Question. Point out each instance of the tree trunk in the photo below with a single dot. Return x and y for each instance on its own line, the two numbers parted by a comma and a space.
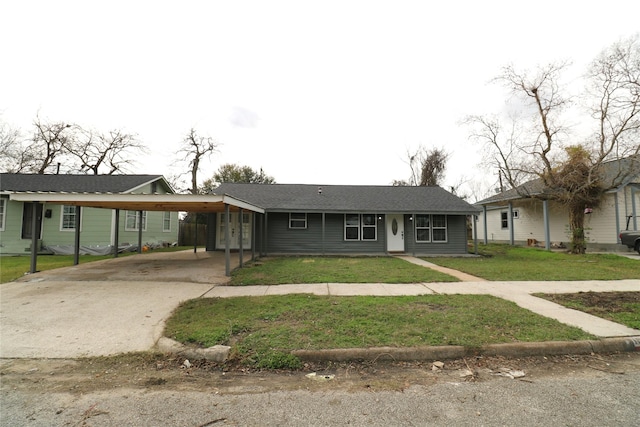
576, 229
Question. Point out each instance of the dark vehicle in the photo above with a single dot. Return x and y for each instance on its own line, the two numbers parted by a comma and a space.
630, 238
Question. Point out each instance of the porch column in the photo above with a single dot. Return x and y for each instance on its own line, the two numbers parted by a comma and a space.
484, 220
475, 233
510, 222
545, 215
195, 234
227, 249
116, 234
253, 236
139, 232
34, 238
266, 234
240, 248
323, 224
633, 208
76, 249
615, 203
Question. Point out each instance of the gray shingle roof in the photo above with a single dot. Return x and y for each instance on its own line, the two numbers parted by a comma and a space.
347, 198
10, 182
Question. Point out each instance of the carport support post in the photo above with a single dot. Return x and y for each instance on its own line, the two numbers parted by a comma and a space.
139, 232
240, 251
474, 218
253, 236
76, 249
227, 250
116, 242
545, 215
34, 238
195, 235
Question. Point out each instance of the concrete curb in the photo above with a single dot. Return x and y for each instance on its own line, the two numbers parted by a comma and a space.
219, 353
552, 348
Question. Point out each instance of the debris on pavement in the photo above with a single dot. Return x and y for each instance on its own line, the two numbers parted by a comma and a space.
323, 377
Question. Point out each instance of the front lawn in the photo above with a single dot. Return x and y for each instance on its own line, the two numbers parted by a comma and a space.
288, 270
504, 262
263, 330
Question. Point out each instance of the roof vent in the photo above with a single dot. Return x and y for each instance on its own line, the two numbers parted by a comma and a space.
319, 190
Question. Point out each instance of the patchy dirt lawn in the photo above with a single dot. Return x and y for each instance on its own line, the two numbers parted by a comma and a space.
614, 306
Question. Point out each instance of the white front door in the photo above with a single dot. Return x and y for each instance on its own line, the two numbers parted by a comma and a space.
395, 233
234, 231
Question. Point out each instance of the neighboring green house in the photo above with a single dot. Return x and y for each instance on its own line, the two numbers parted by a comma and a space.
56, 223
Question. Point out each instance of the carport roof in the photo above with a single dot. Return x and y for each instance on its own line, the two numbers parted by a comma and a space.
141, 202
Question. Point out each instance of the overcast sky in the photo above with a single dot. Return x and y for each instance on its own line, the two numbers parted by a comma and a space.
317, 92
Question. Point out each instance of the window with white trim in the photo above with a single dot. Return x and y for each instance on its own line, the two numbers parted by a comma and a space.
360, 227
297, 220
3, 209
132, 221
439, 228
504, 220
423, 228
430, 228
68, 218
166, 221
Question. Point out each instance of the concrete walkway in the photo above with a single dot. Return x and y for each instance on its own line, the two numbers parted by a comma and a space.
120, 305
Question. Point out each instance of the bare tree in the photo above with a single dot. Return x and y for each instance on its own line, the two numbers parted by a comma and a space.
113, 151
49, 143
194, 149
427, 167
568, 171
11, 149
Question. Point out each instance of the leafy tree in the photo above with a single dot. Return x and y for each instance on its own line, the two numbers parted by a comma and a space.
568, 168
235, 173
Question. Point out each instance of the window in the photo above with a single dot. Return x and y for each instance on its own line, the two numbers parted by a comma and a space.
423, 228
68, 218
360, 227
439, 228
430, 228
516, 214
166, 221
3, 209
132, 223
352, 227
297, 220
504, 219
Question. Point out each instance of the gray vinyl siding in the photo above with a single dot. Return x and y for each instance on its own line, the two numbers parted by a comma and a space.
456, 238
282, 239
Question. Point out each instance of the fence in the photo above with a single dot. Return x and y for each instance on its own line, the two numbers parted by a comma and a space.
188, 233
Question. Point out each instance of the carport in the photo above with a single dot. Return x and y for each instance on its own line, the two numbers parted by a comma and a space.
197, 203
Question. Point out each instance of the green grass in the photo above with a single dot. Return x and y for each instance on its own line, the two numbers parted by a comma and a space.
263, 330
504, 262
14, 267
285, 270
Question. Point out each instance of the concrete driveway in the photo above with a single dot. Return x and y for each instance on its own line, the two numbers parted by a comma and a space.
104, 307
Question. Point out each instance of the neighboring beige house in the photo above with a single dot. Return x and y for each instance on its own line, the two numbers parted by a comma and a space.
507, 217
